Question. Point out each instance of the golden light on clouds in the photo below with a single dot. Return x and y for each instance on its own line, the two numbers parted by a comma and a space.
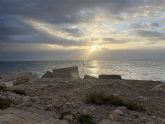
94, 48
98, 34
50, 29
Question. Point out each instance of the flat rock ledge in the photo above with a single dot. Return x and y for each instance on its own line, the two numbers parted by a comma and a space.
16, 116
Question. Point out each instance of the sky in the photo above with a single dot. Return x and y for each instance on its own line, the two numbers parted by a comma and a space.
81, 29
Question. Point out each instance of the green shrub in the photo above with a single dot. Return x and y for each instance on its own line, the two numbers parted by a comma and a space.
2, 88
5, 103
84, 118
100, 98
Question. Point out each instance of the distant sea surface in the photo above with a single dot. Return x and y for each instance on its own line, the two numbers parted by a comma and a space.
129, 69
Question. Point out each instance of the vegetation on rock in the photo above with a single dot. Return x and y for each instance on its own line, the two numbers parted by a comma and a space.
2, 88
100, 98
84, 118
20, 92
5, 103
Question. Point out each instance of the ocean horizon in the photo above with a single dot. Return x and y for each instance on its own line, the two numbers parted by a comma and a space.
139, 69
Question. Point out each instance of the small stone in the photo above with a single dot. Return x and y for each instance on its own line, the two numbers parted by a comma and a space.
117, 112
27, 101
49, 108
35, 99
142, 98
68, 117
107, 121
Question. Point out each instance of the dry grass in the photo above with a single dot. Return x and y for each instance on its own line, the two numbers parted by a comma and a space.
100, 98
2, 88
84, 118
5, 103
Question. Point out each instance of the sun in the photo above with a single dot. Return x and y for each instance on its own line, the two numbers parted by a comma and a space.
94, 47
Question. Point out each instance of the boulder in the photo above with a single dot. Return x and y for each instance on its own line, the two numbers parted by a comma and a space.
70, 72
89, 77
7, 84
115, 114
104, 76
48, 74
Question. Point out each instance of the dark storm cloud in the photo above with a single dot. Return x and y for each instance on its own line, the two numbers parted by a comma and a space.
62, 13
58, 11
151, 34
66, 11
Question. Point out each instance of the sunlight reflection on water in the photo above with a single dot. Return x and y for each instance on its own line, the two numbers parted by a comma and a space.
128, 69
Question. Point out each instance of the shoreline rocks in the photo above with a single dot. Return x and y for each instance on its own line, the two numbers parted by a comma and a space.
65, 73
70, 72
48, 74
63, 99
104, 76
89, 77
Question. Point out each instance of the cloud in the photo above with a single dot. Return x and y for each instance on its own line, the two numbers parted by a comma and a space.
151, 34
115, 41
79, 23
155, 24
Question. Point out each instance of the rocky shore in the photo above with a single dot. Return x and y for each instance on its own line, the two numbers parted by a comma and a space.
62, 97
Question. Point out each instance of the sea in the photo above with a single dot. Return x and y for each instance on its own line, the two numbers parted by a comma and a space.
128, 69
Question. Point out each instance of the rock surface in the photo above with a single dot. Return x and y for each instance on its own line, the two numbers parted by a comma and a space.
16, 116
6, 84
89, 77
103, 76
48, 74
58, 102
106, 121
70, 72
15, 75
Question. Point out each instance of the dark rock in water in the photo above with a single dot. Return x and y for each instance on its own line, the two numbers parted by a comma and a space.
109, 77
48, 74
70, 72
89, 77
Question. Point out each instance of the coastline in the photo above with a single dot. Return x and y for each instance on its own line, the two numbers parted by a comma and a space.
62, 101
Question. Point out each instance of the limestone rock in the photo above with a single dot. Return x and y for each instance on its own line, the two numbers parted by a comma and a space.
70, 73
27, 101
15, 75
48, 74
159, 87
89, 77
68, 117
103, 76
7, 84
21, 80
115, 114
15, 98
16, 116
